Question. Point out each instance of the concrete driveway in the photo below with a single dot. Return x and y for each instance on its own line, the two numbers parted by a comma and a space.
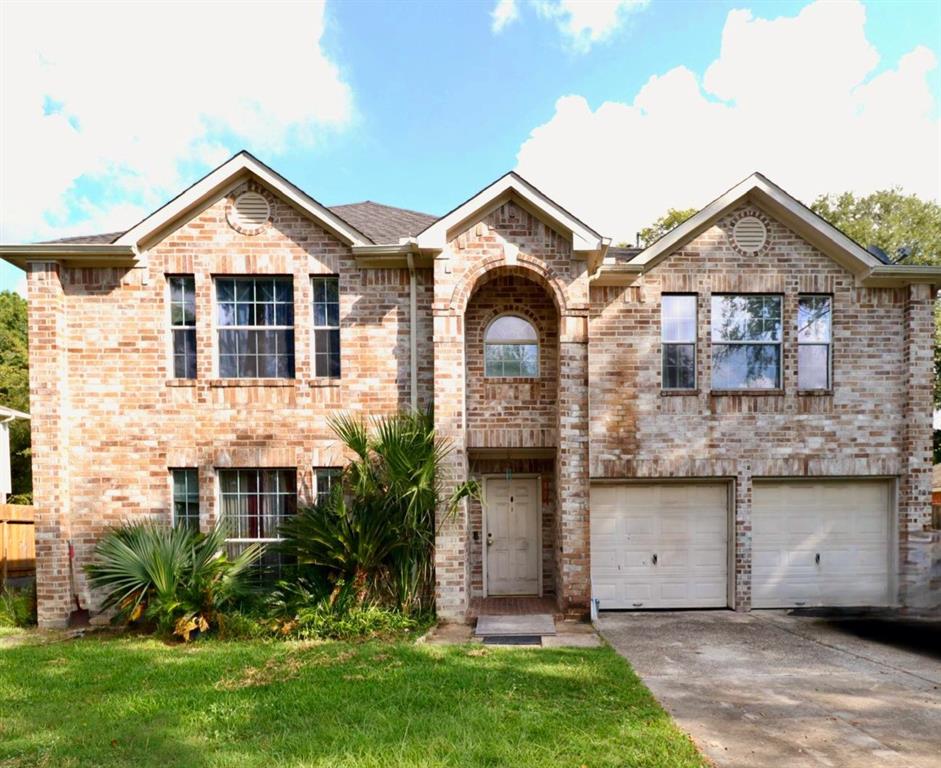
772, 689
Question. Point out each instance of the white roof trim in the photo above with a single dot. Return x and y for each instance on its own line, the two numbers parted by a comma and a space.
8, 414
584, 238
788, 208
216, 181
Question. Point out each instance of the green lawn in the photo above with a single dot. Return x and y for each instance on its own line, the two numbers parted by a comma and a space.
135, 701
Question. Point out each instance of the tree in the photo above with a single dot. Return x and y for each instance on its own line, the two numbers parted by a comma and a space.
905, 227
672, 218
14, 387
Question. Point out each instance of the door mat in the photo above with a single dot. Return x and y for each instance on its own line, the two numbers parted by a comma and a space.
513, 640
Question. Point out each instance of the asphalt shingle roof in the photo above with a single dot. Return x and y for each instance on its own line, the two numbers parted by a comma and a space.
380, 223
383, 223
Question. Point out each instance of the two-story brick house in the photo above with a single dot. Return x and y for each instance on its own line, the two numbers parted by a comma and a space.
738, 415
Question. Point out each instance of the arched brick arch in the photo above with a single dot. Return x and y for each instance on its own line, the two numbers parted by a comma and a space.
525, 267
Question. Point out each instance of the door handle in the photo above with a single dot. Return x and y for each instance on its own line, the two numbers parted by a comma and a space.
817, 558
654, 558
489, 539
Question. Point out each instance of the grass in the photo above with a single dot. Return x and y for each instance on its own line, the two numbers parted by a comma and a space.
136, 701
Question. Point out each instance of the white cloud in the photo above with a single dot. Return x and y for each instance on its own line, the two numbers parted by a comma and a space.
792, 97
114, 106
504, 12
586, 22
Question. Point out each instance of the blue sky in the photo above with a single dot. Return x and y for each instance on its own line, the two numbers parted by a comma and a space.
421, 104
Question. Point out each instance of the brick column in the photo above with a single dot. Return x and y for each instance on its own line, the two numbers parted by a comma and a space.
452, 564
572, 467
914, 492
49, 398
742, 560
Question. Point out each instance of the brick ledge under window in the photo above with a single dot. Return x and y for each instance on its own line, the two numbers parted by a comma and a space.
815, 393
678, 392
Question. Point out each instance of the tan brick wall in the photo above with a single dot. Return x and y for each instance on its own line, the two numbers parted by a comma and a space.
112, 421
512, 412
509, 242
109, 421
875, 421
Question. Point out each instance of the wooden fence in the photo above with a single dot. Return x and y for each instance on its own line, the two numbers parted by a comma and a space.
17, 542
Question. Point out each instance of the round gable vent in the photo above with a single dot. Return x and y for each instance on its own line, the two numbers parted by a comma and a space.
249, 213
750, 234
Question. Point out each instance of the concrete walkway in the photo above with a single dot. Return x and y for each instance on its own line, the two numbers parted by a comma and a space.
771, 689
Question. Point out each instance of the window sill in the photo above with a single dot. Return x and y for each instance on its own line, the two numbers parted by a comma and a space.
511, 379
324, 381
815, 393
251, 382
679, 392
182, 382
747, 392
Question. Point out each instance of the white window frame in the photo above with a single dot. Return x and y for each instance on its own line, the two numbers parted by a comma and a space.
779, 384
694, 343
513, 342
176, 520
828, 343
327, 327
182, 327
335, 472
221, 496
219, 328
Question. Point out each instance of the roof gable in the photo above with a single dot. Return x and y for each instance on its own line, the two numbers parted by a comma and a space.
217, 183
777, 203
511, 186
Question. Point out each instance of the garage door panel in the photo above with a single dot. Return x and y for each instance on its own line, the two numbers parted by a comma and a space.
685, 525
845, 522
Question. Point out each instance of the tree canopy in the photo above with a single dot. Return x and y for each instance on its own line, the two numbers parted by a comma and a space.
672, 218
14, 386
906, 227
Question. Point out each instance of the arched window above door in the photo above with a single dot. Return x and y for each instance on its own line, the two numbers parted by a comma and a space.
511, 348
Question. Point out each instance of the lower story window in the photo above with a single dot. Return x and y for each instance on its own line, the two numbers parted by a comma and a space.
254, 503
185, 498
325, 479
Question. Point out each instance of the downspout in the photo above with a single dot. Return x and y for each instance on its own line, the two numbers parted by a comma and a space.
412, 328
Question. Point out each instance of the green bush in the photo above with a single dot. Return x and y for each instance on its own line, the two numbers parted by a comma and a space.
18, 607
177, 579
375, 533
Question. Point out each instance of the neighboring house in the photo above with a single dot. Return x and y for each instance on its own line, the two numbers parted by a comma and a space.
7, 417
738, 415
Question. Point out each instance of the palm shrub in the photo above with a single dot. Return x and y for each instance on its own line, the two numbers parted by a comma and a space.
375, 534
176, 578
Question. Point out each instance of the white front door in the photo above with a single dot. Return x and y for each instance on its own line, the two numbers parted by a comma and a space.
659, 545
819, 542
512, 541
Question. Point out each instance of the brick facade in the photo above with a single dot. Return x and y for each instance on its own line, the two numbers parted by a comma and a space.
874, 422
109, 421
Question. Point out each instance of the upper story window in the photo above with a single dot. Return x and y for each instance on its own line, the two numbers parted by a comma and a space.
326, 326
511, 348
256, 327
185, 498
678, 337
814, 345
746, 342
183, 325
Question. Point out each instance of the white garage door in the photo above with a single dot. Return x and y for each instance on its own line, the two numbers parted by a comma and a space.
660, 545
820, 543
